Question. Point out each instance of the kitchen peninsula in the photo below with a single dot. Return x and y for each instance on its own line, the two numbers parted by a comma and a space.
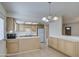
68, 45
22, 44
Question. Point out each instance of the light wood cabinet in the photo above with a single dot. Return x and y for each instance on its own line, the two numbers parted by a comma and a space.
61, 45
34, 28
77, 48
10, 24
12, 46
22, 44
70, 48
53, 42
21, 27
16, 27
28, 44
50, 42
25, 27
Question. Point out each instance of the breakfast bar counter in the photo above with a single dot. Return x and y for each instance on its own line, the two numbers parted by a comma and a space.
68, 45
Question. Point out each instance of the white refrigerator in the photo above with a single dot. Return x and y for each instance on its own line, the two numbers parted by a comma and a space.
41, 34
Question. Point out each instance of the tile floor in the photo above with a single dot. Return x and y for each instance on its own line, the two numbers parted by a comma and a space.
43, 52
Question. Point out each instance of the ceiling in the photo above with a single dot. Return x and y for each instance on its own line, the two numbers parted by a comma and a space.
34, 11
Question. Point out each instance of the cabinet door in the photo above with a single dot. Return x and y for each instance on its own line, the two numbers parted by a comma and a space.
50, 42
61, 45
69, 48
12, 47
10, 23
21, 27
28, 44
24, 44
77, 49
53, 42
34, 28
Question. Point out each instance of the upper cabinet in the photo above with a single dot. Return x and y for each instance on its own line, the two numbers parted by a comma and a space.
21, 27
10, 24
34, 28
40, 25
26, 27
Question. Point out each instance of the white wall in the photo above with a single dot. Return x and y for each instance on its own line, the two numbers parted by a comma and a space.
55, 27
2, 42
70, 19
2, 48
2, 10
74, 28
74, 24
1, 29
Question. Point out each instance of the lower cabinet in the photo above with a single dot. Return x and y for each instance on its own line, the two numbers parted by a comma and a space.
61, 45
55, 43
52, 42
28, 44
70, 48
12, 46
77, 48
20, 45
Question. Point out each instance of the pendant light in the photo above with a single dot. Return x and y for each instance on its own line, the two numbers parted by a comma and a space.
55, 18
49, 18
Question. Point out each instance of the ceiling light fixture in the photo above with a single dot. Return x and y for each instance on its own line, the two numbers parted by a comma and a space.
55, 18
19, 22
49, 18
28, 22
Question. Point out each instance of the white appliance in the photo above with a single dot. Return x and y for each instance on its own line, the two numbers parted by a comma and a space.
1, 29
41, 34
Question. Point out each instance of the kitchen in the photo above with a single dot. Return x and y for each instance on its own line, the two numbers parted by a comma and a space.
24, 36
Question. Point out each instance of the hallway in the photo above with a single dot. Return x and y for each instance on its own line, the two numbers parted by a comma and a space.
43, 52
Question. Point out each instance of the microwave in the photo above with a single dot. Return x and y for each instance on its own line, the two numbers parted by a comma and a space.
11, 36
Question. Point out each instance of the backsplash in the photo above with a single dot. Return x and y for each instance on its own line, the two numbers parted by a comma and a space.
26, 33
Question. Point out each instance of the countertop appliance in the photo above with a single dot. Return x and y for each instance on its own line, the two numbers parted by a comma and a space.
11, 36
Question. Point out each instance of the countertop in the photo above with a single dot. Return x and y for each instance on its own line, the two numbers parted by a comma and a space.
71, 38
24, 37
27, 37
